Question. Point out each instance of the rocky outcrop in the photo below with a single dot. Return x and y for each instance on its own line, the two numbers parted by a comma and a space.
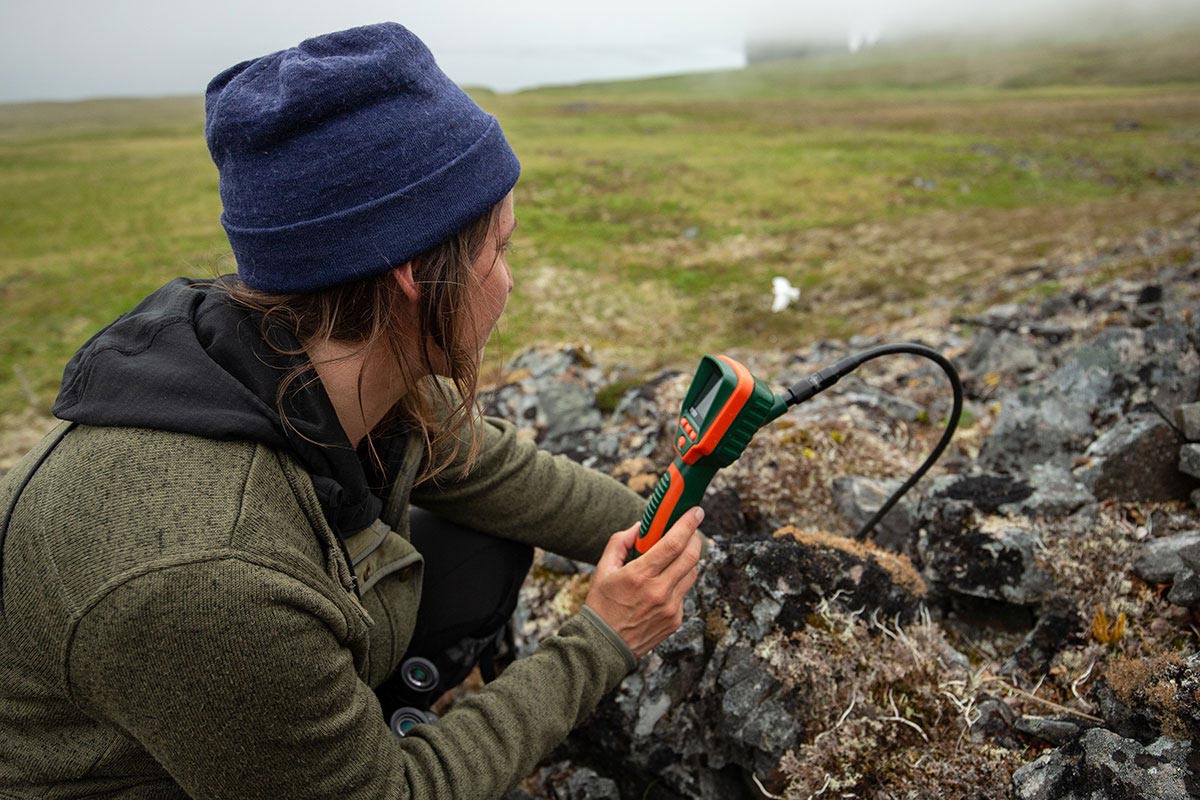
1035, 592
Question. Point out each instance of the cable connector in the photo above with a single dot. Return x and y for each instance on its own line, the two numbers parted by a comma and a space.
818, 382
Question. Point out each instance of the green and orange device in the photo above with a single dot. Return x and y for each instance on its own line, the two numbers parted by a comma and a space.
723, 409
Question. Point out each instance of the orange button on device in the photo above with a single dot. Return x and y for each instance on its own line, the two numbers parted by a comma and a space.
682, 442
692, 435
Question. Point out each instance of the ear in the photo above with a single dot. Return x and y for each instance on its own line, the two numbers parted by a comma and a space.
404, 276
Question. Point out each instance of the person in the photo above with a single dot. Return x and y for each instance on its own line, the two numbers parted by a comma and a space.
270, 490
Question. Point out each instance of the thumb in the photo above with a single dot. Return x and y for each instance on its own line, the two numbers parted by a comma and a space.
617, 548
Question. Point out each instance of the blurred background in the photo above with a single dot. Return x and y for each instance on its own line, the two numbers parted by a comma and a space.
895, 161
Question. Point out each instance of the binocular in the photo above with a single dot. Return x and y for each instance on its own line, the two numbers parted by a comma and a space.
420, 679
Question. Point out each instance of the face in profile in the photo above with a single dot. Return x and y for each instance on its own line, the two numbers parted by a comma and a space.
491, 277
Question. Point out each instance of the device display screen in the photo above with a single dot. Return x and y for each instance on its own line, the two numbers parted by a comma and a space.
700, 410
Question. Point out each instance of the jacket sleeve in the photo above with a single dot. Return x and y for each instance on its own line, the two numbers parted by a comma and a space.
240, 680
519, 492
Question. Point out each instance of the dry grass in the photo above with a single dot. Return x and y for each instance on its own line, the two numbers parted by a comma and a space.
897, 566
891, 710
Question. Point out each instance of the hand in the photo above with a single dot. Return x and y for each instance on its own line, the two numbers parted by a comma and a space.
643, 600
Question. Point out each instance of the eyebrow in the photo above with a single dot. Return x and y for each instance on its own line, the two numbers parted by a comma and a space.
513, 228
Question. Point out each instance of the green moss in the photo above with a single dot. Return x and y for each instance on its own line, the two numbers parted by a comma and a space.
608, 396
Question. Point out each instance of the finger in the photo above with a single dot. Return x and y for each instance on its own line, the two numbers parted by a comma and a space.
685, 584
678, 569
617, 548
673, 543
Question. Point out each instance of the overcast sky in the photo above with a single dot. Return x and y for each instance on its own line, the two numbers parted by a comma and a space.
60, 49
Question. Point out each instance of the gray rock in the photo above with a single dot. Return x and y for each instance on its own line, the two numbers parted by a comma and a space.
1189, 460
1171, 373
858, 499
1186, 591
555, 399
1100, 764
1115, 372
756, 710
568, 415
546, 362
986, 492
1158, 560
1173, 751
1190, 556
1006, 353
1056, 493
585, 784
863, 394
703, 704
1053, 731
794, 577
1008, 313
1043, 779
994, 722
1124, 367
988, 558
635, 426
1058, 623
1036, 427
1188, 415
1135, 721
1130, 462
565, 780
1116, 764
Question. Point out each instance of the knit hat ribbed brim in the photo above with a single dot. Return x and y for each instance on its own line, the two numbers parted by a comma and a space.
346, 156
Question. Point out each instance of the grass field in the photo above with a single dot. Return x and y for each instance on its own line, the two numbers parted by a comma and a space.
655, 213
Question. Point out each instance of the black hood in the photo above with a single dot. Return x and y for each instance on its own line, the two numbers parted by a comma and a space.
189, 360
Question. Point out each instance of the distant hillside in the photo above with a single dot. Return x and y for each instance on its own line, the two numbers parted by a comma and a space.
1138, 59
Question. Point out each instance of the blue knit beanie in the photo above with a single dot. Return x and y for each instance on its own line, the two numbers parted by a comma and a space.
346, 156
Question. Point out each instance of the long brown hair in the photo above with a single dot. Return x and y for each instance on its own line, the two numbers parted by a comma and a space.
370, 311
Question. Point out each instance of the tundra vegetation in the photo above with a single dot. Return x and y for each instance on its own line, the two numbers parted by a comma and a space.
654, 213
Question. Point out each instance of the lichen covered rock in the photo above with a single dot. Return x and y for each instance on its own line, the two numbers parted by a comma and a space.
1038, 590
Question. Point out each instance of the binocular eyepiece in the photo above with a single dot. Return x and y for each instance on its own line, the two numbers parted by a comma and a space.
420, 679
405, 719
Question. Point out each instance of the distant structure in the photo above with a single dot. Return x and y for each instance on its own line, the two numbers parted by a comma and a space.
760, 50
857, 39
862, 39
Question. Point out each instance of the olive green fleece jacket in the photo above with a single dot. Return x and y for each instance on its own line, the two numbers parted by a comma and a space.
179, 621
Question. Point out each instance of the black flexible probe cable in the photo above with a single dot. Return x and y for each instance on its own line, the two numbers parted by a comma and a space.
822, 379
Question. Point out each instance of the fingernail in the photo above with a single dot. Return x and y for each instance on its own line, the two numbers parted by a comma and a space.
699, 512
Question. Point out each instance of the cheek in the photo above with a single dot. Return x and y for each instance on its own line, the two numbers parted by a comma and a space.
491, 300
498, 288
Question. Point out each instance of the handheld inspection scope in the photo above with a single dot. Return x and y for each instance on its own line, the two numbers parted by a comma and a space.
726, 405
723, 409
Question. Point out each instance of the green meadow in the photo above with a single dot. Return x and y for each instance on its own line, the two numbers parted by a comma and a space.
654, 213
